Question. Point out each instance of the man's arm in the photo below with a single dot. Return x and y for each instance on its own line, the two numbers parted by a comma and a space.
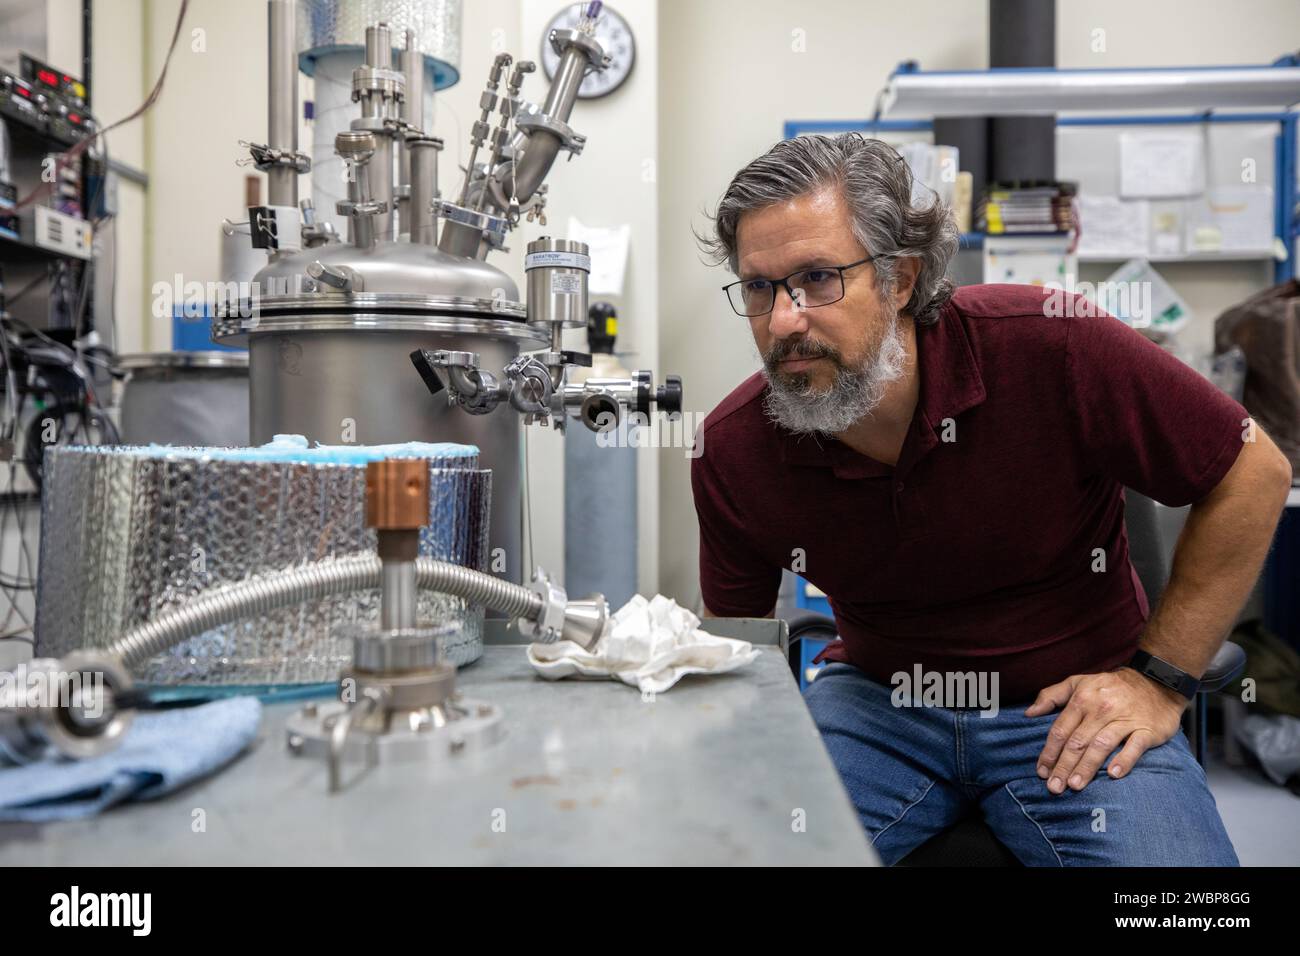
733, 573
1216, 564
1219, 557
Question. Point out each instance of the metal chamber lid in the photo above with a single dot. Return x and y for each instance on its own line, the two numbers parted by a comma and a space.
404, 287
397, 268
352, 317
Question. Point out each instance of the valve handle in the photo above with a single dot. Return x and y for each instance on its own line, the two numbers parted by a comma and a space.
668, 397
420, 358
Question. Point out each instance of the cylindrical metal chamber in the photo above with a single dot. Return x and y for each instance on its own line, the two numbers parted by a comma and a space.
344, 378
185, 398
358, 385
330, 360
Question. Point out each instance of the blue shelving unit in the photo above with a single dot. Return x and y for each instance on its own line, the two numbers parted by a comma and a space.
1286, 220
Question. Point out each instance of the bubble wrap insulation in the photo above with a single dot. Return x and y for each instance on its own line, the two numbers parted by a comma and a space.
329, 24
126, 536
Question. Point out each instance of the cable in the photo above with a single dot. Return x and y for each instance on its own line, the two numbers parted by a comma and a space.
9, 429
27, 288
86, 143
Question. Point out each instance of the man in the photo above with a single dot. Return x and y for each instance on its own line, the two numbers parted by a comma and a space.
949, 469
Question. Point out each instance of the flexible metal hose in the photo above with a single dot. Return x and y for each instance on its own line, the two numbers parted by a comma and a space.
268, 592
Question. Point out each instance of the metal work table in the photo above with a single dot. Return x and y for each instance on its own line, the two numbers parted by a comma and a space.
718, 770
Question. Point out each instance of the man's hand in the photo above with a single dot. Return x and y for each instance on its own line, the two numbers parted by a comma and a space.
1101, 712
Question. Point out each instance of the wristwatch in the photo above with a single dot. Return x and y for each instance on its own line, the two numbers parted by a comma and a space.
1162, 672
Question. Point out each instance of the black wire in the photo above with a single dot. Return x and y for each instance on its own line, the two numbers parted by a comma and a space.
85, 144
27, 288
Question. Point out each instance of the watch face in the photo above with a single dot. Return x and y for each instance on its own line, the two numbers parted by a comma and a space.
615, 38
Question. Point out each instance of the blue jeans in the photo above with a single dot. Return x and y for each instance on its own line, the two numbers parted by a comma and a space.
913, 772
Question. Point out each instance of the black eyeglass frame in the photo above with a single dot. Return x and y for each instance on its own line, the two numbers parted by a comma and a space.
789, 290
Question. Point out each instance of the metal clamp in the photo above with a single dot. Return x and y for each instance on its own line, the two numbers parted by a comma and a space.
570, 140
530, 385
561, 40
548, 627
265, 158
474, 218
372, 79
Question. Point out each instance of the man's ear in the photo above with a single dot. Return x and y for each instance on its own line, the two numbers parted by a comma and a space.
905, 274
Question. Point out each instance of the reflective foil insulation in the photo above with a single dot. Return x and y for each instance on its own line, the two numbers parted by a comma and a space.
128, 533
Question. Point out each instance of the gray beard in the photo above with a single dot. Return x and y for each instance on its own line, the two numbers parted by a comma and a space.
854, 394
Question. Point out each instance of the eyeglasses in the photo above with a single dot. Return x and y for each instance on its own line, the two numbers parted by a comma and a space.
807, 288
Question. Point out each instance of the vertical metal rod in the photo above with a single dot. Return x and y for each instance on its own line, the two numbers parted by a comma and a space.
424, 187
397, 595
379, 46
282, 99
411, 63
380, 170
379, 55
411, 113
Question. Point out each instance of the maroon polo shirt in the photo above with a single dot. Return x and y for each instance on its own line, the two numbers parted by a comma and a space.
976, 553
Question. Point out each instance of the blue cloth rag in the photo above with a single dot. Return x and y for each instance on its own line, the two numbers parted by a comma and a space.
160, 752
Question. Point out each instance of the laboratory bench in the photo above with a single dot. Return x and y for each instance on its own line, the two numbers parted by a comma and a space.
726, 769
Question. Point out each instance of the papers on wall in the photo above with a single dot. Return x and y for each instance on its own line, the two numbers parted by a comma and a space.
934, 170
1154, 165
608, 249
1231, 219
1110, 226
1029, 260
1135, 293
1168, 219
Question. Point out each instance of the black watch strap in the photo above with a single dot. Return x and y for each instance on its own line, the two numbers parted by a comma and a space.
1162, 672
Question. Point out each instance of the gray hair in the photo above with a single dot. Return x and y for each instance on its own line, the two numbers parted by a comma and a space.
876, 183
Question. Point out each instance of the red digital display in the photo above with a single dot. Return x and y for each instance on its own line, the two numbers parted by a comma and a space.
48, 78
23, 91
74, 117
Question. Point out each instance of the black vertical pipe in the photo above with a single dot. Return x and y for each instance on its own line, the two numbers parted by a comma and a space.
87, 37
1022, 33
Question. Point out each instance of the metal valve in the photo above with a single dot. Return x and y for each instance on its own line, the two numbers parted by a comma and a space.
356, 147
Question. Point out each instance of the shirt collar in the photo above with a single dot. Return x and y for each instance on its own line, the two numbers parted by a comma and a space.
950, 384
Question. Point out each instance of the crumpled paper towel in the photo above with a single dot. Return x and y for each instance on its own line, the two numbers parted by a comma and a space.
649, 644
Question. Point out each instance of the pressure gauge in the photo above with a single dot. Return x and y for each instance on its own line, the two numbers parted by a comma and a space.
612, 33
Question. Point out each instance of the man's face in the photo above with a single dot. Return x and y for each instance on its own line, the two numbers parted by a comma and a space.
805, 348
